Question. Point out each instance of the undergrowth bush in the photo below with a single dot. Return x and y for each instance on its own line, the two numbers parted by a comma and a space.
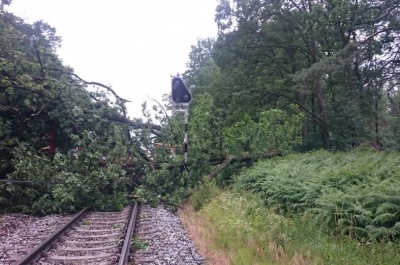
354, 193
203, 193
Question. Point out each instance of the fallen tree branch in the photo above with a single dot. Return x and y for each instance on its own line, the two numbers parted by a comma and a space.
90, 83
223, 162
245, 158
166, 114
113, 117
163, 201
221, 166
133, 123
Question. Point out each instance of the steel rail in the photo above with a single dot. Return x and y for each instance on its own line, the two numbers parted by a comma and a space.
36, 252
123, 258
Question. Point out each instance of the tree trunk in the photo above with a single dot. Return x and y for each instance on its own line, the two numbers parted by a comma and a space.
323, 124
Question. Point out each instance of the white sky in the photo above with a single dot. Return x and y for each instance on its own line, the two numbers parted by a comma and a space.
132, 45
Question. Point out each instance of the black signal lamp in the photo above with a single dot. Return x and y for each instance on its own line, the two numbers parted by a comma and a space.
180, 93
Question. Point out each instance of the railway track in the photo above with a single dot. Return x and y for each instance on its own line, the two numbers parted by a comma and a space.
138, 235
88, 238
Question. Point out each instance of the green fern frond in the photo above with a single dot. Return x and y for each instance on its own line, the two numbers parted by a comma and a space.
377, 199
385, 219
387, 207
396, 228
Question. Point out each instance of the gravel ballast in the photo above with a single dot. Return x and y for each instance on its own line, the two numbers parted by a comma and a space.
20, 233
170, 244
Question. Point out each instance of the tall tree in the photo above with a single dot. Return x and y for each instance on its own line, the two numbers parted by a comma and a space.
322, 55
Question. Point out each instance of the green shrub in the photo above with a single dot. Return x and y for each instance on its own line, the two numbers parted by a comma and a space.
203, 193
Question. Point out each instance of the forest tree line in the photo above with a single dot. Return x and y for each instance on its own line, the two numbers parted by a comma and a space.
335, 63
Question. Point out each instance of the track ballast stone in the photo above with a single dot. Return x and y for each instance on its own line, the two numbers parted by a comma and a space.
163, 240
21, 233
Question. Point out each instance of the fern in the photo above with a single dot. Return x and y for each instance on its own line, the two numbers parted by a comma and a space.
353, 193
396, 228
382, 233
387, 207
385, 219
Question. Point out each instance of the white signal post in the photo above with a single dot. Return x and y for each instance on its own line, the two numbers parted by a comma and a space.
184, 108
181, 97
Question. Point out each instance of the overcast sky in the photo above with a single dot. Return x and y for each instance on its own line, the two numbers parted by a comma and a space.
132, 45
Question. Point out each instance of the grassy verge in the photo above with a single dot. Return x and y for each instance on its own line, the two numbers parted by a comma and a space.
203, 234
236, 228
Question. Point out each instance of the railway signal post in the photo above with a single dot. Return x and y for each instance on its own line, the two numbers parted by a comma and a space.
181, 98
